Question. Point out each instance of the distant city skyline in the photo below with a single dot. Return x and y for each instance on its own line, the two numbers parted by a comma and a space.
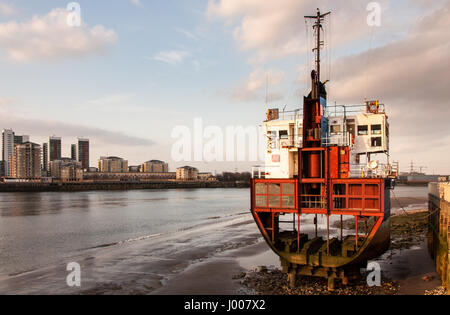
146, 67
53, 149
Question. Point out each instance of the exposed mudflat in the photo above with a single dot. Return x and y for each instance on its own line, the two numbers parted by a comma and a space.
406, 267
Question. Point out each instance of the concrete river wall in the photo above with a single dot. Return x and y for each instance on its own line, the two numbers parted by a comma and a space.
86, 186
439, 231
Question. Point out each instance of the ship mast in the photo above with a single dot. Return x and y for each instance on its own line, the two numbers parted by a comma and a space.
319, 43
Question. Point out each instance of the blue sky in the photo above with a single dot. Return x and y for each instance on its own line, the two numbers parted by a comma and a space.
159, 64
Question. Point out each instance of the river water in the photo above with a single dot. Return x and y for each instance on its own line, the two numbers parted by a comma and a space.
40, 229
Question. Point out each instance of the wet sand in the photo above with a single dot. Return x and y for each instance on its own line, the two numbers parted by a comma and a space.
407, 268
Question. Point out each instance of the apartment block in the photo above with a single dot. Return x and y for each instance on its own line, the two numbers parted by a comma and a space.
54, 148
112, 164
7, 148
83, 153
25, 163
66, 170
187, 173
155, 166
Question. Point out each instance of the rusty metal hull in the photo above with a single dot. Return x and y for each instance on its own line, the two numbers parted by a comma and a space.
373, 247
311, 255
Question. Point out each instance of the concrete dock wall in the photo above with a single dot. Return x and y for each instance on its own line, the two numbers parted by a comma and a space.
439, 231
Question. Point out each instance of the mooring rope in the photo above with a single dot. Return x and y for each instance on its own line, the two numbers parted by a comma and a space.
400, 204
404, 210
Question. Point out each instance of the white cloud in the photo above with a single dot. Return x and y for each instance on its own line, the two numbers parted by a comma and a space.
418, 65
43, 128
6, 9
112, 100
4, 102
50, 37
255, 86
124, 103
136, 2
196, 65
173, 57
186, 33
274, 29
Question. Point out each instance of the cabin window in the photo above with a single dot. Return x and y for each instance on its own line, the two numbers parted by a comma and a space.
376, 142
335, 129
273, 142
284, 134
272, 134
363, 130
376, 129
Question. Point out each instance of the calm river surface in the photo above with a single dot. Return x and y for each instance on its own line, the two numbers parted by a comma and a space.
39, 228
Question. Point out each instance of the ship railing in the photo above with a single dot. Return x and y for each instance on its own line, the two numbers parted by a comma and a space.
349, 110
292, 141
313, 201
382, 171
290, 116
260, 172
338, 139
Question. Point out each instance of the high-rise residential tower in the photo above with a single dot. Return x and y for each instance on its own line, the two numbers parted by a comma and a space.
21, 139
83, 153
45, 157
54, 148
73, 152
7, 148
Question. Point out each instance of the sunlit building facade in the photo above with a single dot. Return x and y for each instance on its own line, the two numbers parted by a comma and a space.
112, 164
25, 163
187, 173
67, 170
155, 166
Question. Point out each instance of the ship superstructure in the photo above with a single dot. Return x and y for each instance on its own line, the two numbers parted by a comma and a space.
323, 163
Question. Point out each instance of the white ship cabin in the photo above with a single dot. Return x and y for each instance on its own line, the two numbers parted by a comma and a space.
284, 138
364, 130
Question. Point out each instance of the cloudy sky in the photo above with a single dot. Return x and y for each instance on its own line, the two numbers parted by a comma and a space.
135, 69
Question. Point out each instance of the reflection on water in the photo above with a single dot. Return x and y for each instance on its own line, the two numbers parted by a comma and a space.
30, 204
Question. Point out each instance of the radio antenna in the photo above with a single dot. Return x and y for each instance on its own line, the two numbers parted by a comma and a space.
319, 43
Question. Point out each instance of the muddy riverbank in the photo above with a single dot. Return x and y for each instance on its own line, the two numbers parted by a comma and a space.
406, 267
